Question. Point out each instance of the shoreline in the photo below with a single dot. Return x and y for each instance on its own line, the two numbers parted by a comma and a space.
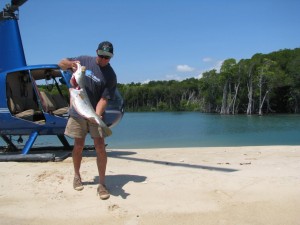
212, 185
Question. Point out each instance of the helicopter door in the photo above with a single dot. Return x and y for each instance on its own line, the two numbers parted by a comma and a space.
21, 98
52, 91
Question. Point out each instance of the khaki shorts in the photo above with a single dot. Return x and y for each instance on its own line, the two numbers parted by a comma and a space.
79, 127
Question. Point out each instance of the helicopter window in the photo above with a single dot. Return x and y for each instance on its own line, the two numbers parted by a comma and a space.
49, 86
24, 84
19, 109
55, 104
48, 79
52, 91
21, 99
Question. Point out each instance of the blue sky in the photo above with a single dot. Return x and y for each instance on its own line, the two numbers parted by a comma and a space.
158, 39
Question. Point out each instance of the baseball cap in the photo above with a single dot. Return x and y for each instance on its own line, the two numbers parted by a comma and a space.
105, 48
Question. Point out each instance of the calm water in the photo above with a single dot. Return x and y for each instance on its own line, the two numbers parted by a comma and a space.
158, 130
151, 130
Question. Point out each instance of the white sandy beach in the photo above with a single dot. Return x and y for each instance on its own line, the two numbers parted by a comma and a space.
184, 186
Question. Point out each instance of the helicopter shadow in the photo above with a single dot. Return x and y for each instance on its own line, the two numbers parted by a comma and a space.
91, 152
126, 155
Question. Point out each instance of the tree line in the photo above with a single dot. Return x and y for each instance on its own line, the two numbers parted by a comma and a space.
266, 83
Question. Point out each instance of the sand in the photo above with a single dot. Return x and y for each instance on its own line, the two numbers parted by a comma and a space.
224, 185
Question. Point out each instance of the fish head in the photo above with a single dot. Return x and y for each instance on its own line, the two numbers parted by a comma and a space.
78, 75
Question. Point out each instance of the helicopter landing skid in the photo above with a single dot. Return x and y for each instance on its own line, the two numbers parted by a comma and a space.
11, 147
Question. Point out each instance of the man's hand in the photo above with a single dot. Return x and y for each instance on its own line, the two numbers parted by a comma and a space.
66, 64
92, 120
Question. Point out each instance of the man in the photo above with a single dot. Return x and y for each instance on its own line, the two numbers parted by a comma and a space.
100, 85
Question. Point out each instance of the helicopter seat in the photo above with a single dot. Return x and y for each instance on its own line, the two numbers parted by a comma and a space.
60, 101
22, 107
54, 107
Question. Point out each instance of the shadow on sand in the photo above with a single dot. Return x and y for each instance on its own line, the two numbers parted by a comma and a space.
116, 183
126, 155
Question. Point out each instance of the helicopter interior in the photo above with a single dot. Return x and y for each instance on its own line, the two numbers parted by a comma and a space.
31, 93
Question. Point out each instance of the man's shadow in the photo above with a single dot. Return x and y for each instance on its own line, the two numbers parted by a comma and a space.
116, 183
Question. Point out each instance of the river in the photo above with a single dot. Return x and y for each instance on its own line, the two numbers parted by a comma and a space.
192, 129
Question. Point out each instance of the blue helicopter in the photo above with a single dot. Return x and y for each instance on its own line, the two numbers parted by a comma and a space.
33, 99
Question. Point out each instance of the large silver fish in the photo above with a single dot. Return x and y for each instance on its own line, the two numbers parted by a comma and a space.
81, 102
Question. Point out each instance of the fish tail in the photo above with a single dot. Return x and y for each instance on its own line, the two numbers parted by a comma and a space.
105, 129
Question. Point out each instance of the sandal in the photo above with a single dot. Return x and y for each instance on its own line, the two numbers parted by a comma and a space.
77, 184
103, 192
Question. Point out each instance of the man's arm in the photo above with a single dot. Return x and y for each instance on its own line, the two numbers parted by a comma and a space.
65, 64
101, 105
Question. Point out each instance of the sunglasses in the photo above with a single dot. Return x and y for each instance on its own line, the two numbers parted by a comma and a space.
104, 56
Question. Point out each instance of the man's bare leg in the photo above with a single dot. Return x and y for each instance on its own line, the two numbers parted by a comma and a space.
101, 163
77, 157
